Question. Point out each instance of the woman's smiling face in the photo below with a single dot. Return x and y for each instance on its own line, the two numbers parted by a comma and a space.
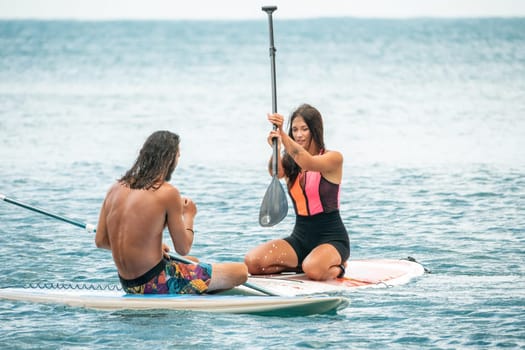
301, 132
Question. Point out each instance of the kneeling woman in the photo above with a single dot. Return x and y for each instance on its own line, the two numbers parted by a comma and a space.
319, 244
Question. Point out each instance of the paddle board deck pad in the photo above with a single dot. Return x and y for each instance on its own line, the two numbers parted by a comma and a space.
371, 273
118, 300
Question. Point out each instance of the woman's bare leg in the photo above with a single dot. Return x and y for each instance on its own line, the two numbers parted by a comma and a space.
271, 257
322, 263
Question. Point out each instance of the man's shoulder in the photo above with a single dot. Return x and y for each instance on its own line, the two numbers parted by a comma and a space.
115, 187
168, 189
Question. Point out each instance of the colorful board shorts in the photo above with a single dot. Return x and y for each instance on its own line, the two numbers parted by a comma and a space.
171, 277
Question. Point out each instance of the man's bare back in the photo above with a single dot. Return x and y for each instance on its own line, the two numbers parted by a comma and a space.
133, 216
131, 224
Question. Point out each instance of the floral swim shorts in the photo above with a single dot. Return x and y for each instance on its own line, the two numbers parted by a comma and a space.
171, 277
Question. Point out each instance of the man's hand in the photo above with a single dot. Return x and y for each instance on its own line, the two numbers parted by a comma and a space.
165, 250
188, 207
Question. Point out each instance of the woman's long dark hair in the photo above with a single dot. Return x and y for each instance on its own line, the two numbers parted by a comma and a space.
155, 162
312, 117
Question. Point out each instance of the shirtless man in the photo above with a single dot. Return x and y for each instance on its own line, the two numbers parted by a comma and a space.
133, 216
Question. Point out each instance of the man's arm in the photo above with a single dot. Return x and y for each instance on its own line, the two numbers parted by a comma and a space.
101, 237
180, 213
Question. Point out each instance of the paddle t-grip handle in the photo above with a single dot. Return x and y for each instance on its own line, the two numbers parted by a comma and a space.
269, 9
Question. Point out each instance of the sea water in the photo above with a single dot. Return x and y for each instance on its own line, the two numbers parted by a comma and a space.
430, 117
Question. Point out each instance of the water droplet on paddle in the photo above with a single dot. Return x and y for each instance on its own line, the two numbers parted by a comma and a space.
265, 219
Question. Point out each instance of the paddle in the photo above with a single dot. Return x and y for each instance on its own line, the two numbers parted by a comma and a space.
274, 206
92, 228
88, 227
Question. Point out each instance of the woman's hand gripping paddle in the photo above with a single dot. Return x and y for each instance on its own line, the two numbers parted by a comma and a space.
274, 206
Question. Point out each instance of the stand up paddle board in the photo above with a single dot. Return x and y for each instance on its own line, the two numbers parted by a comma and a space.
238, 304
370, 273
296, 292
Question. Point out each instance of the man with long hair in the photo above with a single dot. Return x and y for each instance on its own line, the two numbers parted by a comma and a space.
132, 219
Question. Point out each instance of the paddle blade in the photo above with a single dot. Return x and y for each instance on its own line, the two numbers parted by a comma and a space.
274, 206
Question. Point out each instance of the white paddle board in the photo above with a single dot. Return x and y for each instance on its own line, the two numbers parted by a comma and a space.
296, 292
370, 273
118, 300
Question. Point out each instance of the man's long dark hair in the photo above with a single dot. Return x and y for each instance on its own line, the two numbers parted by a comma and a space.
155, 162
312, 117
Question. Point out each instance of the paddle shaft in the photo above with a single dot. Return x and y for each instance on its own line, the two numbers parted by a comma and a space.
269, 10
92, 228
87, 227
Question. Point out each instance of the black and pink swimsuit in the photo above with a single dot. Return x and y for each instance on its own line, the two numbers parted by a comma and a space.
316, 204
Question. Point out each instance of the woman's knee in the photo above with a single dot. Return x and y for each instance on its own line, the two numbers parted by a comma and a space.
315, 272
252, 263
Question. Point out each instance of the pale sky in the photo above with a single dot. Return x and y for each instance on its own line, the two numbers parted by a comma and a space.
251, 9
